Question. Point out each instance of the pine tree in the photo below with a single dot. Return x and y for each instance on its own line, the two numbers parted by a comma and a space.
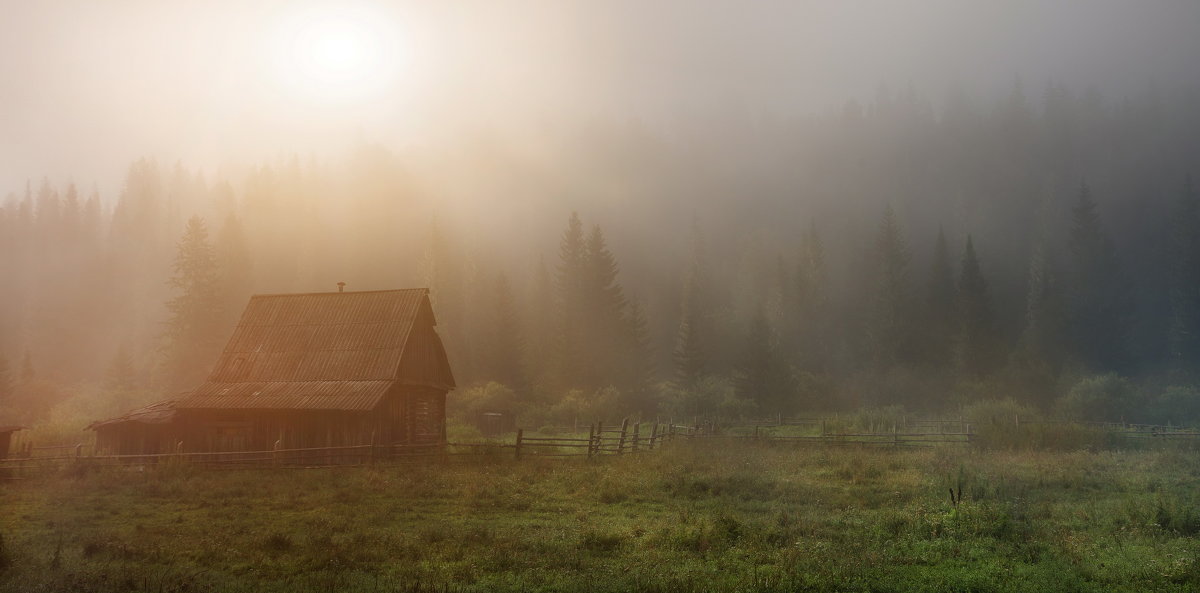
604, 333
940, 305
639, 365
690, 357
977, 339
121, 377
504, 337
1037, 360
571, 290
27, 372
236, 267
1184, 329
194, 330
541, 323
6, 382
1098, 300
888, 327
759, 373
812, 303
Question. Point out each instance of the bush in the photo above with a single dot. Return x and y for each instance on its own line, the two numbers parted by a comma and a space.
1104, 398
1178, 404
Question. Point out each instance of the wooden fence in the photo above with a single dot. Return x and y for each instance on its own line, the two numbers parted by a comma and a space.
622, 439
602, 440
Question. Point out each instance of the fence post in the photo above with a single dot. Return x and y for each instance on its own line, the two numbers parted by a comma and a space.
78, 451
275, 452
591, 439
653, 435
621, 443
895, 437
636, 428
520, 433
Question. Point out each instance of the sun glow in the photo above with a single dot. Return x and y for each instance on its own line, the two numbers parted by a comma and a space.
337, 53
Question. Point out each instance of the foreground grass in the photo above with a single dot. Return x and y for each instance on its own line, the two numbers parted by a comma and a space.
694, 517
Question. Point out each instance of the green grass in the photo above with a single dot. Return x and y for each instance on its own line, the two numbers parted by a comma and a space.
699, 516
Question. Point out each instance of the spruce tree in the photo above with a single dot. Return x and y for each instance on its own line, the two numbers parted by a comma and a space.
6, 381
194, 330
27, 371
977, 340
940, 305
604, 332
759, 374
571, 290
1098, 301
813, 323
690, 356
504, 337
889, 323
540, 320
1184, 328
236, 268
639, 365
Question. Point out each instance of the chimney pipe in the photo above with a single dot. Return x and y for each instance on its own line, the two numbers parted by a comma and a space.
341, 286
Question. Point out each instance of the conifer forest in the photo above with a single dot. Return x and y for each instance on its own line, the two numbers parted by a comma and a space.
559, 295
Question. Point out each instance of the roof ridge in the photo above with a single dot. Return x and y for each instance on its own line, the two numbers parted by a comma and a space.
336, 293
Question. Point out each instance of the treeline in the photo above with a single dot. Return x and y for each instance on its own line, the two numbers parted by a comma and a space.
887, 254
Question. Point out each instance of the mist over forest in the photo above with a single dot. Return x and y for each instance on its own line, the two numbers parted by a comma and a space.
1034, 247
628, 212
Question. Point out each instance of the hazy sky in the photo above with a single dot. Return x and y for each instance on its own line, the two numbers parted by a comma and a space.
87, 86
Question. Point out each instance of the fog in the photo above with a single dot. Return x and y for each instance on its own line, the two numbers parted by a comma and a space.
89, 87
760, 192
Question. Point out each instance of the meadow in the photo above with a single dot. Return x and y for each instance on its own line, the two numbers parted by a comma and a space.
693, 516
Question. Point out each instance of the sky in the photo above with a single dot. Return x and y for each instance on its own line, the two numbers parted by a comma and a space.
87, 87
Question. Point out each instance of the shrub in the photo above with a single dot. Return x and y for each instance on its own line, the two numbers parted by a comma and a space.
1101, 398
1178, 404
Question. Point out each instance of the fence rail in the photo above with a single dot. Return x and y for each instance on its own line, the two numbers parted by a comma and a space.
601, 440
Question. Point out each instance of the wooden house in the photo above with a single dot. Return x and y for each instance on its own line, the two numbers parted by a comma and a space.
308, 370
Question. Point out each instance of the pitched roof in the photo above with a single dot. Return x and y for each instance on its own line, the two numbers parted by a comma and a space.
155, 413
330, 351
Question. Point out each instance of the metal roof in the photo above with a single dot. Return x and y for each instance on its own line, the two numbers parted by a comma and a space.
323, 351
290, 395
155, 413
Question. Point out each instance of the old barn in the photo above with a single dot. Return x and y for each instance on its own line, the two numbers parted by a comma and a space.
308, 370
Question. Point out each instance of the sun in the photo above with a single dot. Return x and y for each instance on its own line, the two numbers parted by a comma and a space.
336, 53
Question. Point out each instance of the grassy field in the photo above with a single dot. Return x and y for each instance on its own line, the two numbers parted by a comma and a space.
696, 516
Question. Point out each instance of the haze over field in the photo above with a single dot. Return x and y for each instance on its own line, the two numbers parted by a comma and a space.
769, 183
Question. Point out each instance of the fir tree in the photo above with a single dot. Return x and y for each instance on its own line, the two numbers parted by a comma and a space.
1098, 299
940, 305
27, 372
194, 329
690, 357
541, 324
6, 382
236, 267
811, 303
1038, 358
1184, 329
604, 312
759, 373
977, 340
121, 377
571, 290
503, 337
638, 359
888, 326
